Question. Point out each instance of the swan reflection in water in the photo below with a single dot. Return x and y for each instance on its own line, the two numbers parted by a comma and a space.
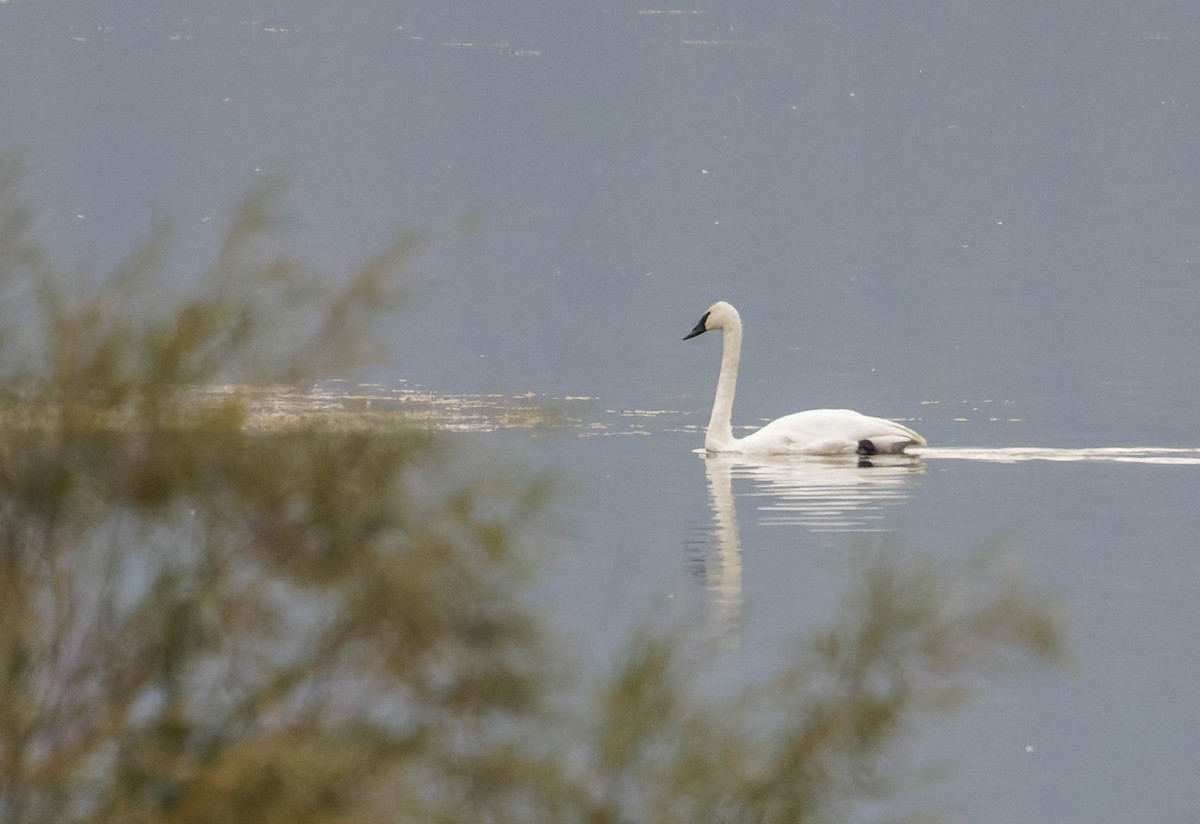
823, 494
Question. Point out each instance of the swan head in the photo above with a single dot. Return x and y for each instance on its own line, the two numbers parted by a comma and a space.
718, 316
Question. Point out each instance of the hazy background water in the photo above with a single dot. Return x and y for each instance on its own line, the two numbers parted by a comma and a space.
982, 218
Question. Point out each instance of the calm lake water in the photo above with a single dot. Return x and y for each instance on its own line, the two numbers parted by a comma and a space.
767, 548
757, 554
982, 219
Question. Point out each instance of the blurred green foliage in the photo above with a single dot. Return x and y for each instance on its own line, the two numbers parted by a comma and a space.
204, 623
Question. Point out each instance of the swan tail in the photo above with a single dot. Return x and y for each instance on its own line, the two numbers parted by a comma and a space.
895, 441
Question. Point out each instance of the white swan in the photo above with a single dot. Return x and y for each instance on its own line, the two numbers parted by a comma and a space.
814, 432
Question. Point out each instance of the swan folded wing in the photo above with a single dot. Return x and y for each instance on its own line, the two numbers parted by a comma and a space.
829, 432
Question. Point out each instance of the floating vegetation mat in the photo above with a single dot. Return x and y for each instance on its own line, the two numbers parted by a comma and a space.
346, 406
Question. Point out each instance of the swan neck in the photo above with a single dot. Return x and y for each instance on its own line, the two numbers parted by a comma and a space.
719, 436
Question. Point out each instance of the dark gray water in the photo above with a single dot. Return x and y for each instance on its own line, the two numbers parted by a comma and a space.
1112, 737
983, 219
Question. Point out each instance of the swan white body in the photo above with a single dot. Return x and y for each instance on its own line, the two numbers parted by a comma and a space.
814, 432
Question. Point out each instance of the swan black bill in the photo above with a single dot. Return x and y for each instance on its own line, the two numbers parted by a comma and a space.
699, 328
